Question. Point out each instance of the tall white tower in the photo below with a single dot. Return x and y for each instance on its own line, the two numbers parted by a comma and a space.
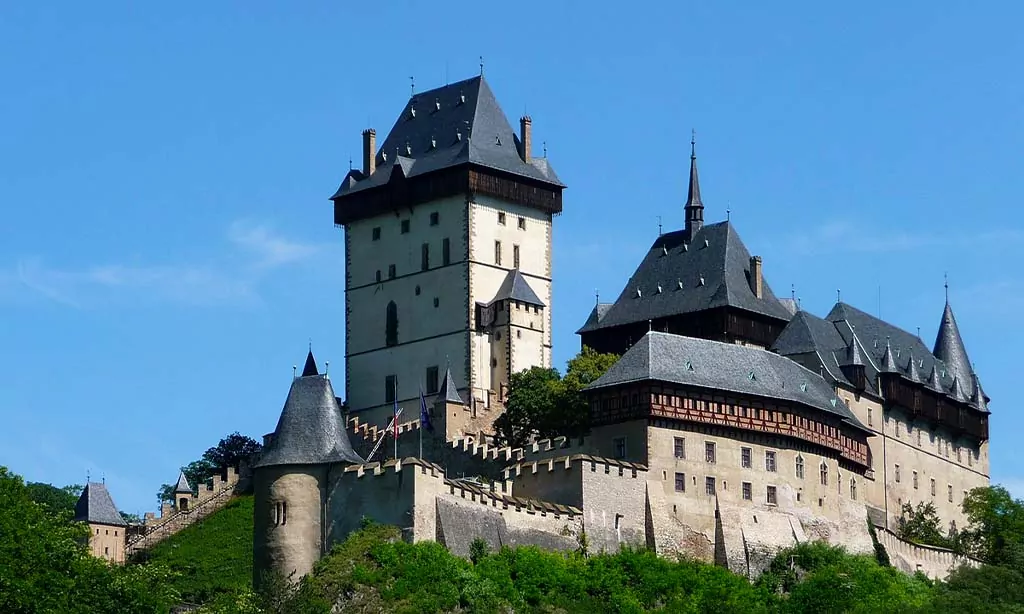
447, 255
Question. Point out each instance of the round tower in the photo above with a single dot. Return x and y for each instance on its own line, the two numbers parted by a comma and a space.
290, 479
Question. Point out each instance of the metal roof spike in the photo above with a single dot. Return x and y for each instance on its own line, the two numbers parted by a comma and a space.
679, 283
639, 293
706, 243
659, 288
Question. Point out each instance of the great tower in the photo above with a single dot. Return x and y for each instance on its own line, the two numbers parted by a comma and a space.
447, 254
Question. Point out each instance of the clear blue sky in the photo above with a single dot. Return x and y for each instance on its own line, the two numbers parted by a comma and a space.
167, 247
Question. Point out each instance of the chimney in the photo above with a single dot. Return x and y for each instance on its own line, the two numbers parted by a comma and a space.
369, 151
756, 278
525, 124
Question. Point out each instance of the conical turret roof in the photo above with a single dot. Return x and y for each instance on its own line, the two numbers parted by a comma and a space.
888, 362
949, 346
978, 398
310, 367
933, 379
182, 487
449, 393
912, 372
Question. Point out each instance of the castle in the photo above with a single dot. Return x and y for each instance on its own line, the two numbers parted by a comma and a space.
733, 425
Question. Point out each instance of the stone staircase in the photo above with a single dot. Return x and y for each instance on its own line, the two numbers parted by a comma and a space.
211, 497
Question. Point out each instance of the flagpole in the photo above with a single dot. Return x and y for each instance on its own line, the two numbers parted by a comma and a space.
394, 430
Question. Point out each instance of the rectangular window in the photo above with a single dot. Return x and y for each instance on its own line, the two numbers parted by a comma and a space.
501, 218
896, 474
515, 256
392, 272
770, 496
745, 458
769, 461
679, 447
376, 233
824, 474
425, 257
522, 223
949, 492
434, 218
446, 251
405, 227
871, 421
747, 491
800, 467
970, 458
709, 451
680, 482
378, 276
915, 480
933, 487
620, 447
709, 486
497, 253
432, 383
390, 384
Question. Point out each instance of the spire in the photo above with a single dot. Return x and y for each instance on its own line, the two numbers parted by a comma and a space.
182, 487
957, 391
912, 372
448, 392
933, 379
853, 354
888, 363
310, 368
949, 346
694, 210
978, 398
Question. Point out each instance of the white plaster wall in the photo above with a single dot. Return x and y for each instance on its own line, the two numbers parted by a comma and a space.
291, 547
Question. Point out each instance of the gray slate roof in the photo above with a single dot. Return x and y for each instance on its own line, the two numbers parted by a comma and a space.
949, 346
515, 287
95, 505
449, 392
182, 486
675, 278
311, 429
830, 337
461, 123
714, 365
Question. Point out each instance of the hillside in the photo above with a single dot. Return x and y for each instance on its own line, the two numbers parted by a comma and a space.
211, 557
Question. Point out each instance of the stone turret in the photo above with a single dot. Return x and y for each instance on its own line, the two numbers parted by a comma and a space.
291, 478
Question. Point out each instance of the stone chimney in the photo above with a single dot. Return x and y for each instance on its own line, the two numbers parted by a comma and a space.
756, 277
525, 125
369, 151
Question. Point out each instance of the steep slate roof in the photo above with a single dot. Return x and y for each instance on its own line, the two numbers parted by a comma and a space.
456, 124
877, 339
596, 314
310, 367
449, 392
97, 506
949, 346
311, 429
715, 365
516, 288
182, 487
712, 270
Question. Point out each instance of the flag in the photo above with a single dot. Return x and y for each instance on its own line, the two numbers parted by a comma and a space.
424, 414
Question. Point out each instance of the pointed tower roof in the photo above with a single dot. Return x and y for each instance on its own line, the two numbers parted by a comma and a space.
888, 362
182, 487
694, 210
957, 391
933, 379
978, 398
949, 346
854, 356
449, 393
310, 367
912, 373
311, 429
515, 287
97, 506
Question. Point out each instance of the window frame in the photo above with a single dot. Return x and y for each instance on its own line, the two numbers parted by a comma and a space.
746, 457
771, 463
680, 481
710, 452
433, 376
405, 226
679, 448
710, 486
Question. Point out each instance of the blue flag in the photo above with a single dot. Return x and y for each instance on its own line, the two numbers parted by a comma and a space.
424, 414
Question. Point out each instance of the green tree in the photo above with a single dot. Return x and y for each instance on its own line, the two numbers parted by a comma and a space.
543, 404
981, 590
44, 565
921, 524
995, 533
229, 452
56, 499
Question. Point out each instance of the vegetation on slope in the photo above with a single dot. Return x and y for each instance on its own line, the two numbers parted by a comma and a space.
210, 558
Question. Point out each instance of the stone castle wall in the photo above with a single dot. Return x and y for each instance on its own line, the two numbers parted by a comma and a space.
934, 562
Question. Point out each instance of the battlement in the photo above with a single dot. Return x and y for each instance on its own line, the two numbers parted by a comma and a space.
490, 496
608, 465
394, 466
504, 454
373, 432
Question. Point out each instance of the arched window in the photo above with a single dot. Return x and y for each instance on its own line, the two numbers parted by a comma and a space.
391, 325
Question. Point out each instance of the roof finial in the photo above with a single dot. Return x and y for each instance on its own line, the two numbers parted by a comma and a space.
792, 292
659, 225
694, 209
597, 297
88, 475
728, 214
294, 369
839, 296
545, 144
412, 86
693, 144
650, 325
350, 163
945, 284
481, 66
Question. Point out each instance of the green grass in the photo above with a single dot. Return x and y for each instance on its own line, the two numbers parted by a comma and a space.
212, 557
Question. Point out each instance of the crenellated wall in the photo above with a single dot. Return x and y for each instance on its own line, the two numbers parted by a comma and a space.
934, 562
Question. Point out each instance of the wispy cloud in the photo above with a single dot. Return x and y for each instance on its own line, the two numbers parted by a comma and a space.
844, 235
255, 250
